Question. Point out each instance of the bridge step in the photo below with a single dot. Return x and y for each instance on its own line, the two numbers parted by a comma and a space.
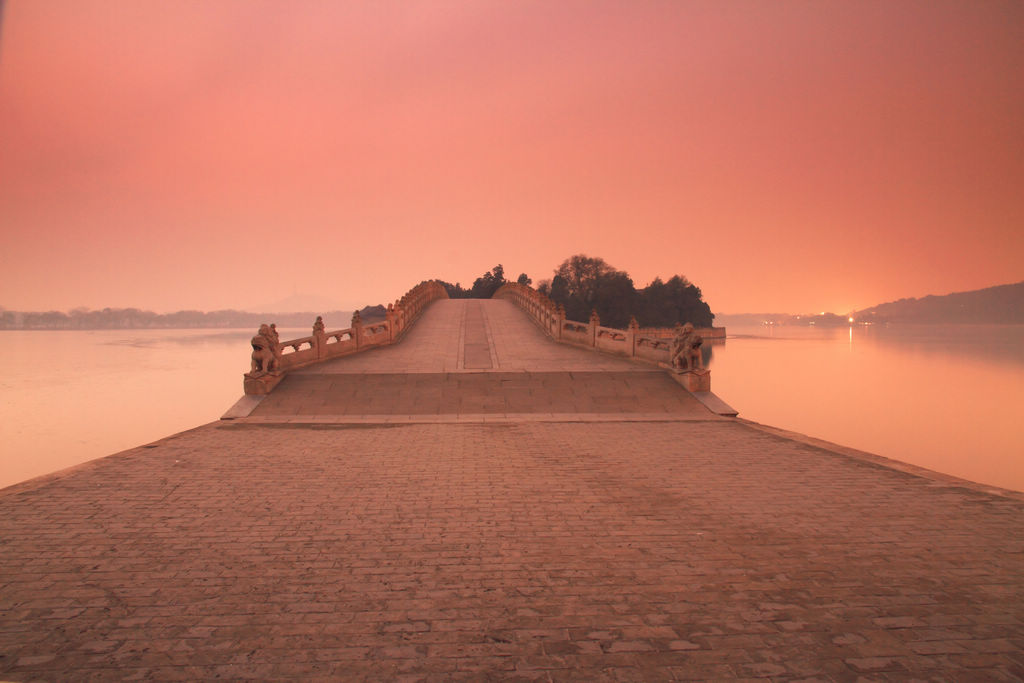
480, 393
715, 404
243, 407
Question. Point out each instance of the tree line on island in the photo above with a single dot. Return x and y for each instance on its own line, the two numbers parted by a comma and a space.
583, 284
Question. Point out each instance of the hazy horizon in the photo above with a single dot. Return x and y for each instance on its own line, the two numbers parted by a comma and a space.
288, 305
782, 156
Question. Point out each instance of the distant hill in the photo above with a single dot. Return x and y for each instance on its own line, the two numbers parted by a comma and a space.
133, 318
1003, 304
372, 314
806, 319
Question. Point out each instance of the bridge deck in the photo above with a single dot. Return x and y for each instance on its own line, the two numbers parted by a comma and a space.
471, 359
608, 548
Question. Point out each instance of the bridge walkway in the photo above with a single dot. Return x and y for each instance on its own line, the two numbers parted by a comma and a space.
470, 359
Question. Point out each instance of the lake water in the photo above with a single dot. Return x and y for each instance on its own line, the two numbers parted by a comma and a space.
949, 399
70, 396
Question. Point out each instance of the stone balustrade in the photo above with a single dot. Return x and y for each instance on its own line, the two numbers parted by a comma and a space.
668, 332
324, 345
650, 345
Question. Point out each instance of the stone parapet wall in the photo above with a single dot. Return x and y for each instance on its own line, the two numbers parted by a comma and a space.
650, 345
669, 332
323, 345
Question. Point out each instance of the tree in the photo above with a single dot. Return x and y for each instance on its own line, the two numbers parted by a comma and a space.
487, 284
483, 287
615, 299
559, 291
581, 273
663, 304
455, 291
583, 283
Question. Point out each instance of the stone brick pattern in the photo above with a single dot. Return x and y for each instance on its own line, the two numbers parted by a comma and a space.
604, 551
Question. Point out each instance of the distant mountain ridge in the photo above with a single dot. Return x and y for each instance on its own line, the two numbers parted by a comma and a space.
999, 305
1002, 304
134, 318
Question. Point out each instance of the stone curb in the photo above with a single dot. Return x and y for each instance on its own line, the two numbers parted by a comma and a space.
882, 461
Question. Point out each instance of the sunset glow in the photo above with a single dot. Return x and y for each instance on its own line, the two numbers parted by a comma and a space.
207, 155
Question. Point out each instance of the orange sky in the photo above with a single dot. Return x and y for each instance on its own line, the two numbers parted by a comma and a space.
785, 156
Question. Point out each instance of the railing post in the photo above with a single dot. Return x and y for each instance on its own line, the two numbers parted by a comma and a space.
559, 320
357, 329
390, 315
595, 322
632, 332
319, 338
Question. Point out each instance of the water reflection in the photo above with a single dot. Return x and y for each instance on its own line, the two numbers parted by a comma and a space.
707, 353
943, 397
996, 342
175, 338
77, 395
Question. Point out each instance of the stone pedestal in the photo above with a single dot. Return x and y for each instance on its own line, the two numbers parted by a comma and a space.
692, 380
257, 385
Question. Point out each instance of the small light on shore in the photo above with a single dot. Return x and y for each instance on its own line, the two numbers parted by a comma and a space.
851, 318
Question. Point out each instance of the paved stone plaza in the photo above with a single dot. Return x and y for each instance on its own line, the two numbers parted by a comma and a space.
484, 516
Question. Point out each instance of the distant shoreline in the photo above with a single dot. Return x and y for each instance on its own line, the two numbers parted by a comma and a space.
135, 319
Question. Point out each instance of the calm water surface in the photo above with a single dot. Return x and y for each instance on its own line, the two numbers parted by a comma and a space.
950, 399
70, 396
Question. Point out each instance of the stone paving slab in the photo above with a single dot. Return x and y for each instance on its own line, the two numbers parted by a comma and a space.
597, 551
479, 392
477, 350
314, 418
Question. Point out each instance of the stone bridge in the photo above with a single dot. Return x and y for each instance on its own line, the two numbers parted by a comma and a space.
470, 498
486, 360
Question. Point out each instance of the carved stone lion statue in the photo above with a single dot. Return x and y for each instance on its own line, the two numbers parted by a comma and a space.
685, 351
264, 352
